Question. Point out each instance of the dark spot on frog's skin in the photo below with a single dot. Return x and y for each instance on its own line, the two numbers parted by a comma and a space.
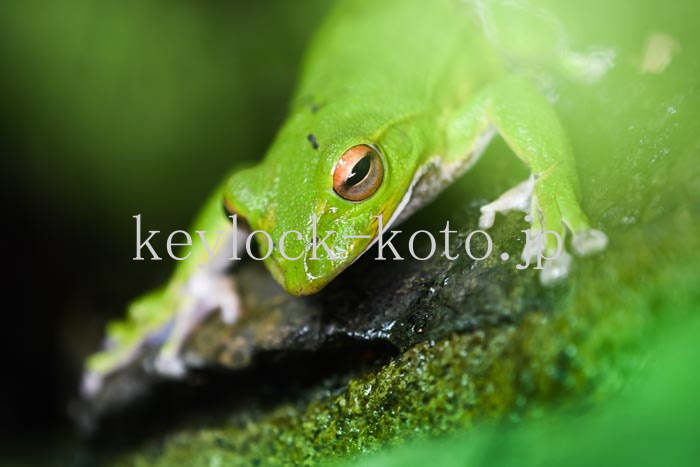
314, 106
309, 102
312, 140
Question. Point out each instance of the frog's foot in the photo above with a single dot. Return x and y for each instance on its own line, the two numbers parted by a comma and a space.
587, 242
552, 209
555, 209
204, 294
555, 265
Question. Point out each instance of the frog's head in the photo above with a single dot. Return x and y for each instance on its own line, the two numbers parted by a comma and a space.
336, 170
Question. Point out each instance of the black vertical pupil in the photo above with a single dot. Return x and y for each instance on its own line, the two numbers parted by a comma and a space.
360, 171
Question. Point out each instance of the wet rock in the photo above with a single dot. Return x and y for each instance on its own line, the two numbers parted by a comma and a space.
398, 303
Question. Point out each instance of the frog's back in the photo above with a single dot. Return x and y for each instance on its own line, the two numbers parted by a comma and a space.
415, 50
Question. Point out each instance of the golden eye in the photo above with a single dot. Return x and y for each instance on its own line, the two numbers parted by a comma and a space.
358, 173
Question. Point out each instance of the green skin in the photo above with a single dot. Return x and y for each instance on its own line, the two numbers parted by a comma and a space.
419, 81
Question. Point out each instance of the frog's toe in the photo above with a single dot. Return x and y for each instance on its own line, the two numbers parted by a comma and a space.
555, 261
588, 242
91, 383
556, 269
531, 250
169, 365
487, 218
518, 198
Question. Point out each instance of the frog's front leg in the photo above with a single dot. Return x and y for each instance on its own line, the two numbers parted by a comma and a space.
530, 127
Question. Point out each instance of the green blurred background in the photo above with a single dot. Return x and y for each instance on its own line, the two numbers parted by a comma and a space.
110, 109
128, 107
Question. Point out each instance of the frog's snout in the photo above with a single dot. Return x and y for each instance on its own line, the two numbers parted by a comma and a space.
301, 276
305, 264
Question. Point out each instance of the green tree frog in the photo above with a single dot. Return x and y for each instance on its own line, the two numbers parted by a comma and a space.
396, 100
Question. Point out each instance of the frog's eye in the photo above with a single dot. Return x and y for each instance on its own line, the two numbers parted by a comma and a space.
358, 173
